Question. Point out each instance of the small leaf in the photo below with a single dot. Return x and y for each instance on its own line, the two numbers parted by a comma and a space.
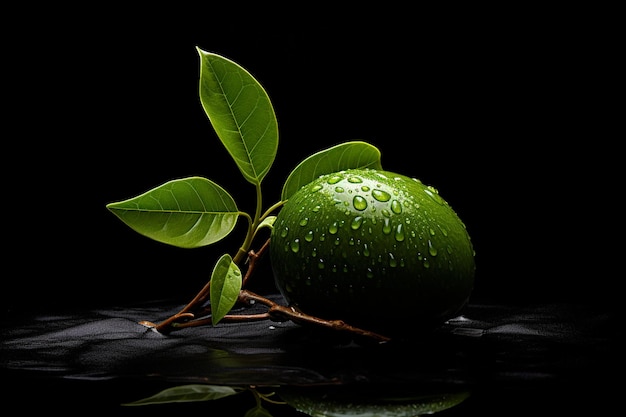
241, 114
187, 213
188, 393
267, 222
348, 155
225, 287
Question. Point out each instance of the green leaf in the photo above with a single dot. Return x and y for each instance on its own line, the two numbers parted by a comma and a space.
267, 222
348, 155
188, 393
241, 114
188, 213
225, 287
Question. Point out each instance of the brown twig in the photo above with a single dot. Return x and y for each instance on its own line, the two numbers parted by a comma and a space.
193, 315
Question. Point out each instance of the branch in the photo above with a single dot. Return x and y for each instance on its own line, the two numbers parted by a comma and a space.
186, 317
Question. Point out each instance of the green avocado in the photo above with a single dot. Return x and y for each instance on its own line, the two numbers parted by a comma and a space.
373, 248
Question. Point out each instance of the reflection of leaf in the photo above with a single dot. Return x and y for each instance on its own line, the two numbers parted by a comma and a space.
258, 411
225, 287
346, 155
188, 393
241, 114
187, 213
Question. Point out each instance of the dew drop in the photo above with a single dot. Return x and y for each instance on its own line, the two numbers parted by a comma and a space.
295, 246
431, 249
359, 203
309, 236
316, 187
392, 261
434, 194
355, 180
396, 207
366, 250
386, 227
304, 221
369, 273
320, 264
400, 233
283, 233
431, 231
339, 189
381, 195
356, 222
333, 228
334, 179
385, 212
316, 209
365, 188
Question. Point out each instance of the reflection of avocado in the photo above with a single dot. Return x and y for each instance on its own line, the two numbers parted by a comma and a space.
369, 401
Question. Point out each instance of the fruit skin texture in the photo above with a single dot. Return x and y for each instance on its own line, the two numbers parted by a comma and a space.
374, 248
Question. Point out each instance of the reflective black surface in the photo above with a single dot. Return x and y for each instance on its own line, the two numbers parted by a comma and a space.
507, 359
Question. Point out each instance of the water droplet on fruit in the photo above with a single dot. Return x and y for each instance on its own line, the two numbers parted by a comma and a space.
356, 222
309, 236
333, 228
316, 209
392, 261
434, 194
283, 233
354, 179
295, 245
386, 227
339, 189
304, 221
365, 188
399, 233
320, 264
316, 187
334, 179
396, 207
366, 250
381, 195
359, 203
431, 249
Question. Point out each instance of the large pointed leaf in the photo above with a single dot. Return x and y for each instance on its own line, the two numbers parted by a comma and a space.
225, 287
348, 155
188, 213
241, 114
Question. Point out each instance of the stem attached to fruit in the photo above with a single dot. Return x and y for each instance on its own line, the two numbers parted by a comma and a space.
193, 315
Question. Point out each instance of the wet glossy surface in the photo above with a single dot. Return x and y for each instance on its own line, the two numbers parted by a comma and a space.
554, 357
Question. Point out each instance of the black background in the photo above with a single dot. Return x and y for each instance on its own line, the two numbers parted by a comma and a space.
506, 114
